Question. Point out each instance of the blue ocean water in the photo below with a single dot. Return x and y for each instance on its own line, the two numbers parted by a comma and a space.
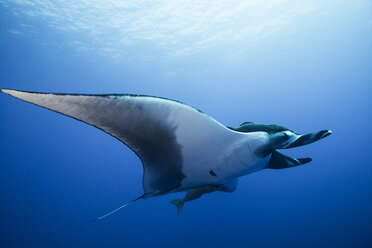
302, 64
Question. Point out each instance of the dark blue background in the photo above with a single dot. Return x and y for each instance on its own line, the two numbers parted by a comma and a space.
56, 173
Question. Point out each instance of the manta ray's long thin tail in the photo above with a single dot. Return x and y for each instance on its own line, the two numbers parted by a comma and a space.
115, 210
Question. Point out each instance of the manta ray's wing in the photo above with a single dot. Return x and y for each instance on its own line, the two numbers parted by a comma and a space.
158, 130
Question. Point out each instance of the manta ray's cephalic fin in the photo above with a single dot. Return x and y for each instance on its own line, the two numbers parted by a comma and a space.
280, 161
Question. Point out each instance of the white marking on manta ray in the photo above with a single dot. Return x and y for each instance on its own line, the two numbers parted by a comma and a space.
181, 148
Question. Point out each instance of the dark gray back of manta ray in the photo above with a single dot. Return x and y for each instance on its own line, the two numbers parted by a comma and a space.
279, 160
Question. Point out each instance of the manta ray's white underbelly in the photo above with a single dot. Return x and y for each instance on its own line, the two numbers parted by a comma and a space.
222, 162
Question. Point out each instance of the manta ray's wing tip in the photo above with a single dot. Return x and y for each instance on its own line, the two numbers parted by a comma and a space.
6, 91
11, 92
18, 94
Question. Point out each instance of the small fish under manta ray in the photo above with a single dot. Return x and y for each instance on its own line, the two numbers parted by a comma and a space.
181, 148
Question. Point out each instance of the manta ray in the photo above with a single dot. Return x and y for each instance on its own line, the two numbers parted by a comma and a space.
181, 148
